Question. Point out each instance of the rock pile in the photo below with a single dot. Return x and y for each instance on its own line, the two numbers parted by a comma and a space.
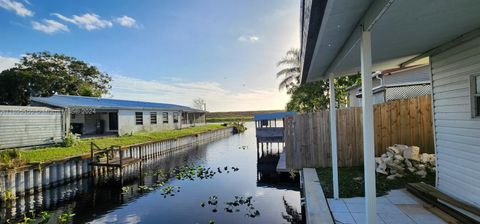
401, 158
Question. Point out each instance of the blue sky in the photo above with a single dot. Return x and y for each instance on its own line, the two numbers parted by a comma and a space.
224, 51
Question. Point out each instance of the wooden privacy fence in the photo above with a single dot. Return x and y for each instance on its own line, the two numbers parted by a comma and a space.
406, 121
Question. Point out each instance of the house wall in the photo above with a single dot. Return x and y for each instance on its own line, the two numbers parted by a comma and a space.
418, 74
456, 132
354, 101
126, 121
30, 126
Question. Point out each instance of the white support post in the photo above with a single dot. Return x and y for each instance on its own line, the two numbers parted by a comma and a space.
368, 137
333, 137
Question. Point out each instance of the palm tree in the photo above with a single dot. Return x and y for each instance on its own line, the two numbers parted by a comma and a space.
291, 70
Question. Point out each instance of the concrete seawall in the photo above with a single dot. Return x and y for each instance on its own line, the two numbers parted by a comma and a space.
27, 181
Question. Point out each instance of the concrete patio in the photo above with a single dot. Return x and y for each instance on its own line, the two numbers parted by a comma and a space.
398, 207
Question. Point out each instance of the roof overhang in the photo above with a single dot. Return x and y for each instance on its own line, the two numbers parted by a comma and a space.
402, 32
272, 116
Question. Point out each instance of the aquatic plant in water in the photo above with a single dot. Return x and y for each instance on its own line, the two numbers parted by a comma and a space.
43, 217
235, 205
66, 217
191, 172
180, 173
169, 191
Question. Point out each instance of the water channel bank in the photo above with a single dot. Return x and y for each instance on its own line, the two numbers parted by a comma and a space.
37, 177
240, 173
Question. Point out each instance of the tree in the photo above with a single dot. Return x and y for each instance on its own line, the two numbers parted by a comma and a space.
314, 96
45, 74
200, 104
291, 70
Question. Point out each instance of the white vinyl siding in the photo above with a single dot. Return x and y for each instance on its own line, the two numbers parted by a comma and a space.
456, 132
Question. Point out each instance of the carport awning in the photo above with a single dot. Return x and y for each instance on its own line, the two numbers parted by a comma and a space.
402, 31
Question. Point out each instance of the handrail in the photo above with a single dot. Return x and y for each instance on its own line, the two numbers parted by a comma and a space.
109, 152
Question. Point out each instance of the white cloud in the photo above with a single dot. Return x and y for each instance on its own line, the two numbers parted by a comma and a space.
7, 62
251, 39
182, 92
18, 7
49, 26
87, 21
126, 21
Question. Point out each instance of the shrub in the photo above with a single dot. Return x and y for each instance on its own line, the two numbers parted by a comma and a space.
70, 140
238, 127
11, 158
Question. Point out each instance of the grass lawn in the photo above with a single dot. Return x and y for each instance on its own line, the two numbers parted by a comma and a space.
355, 188
228, 119
83, 146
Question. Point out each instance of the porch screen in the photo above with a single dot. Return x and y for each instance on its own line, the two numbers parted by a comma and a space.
139, 118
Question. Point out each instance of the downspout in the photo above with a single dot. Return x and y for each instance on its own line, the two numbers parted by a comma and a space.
377, 76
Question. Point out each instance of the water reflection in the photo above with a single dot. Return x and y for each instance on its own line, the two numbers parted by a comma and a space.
233, 170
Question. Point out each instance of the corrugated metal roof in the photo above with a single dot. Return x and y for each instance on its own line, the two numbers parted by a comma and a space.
65, 101
273, 116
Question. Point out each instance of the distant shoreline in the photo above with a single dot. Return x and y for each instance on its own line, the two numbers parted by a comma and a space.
214, 117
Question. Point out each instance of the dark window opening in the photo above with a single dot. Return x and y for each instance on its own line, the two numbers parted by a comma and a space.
139, 118
165, 117
153, 117
478, 106
112, 121
175, 117
475, 96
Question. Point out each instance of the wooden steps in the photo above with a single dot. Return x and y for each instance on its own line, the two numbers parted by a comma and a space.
438, 199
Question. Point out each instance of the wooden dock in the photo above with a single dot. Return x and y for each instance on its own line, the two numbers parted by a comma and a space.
316, 206
116, 162
110, 157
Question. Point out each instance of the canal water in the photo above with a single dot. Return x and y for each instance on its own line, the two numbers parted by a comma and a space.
226, 181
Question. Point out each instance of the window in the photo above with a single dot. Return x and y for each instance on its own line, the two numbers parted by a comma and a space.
175, 117
475, 84
165, 117
139, 118
153, 117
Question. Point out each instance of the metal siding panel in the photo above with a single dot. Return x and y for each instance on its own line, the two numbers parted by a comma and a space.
451, 116
453, 93
452, 108
457, 134
419, 74
20, 129
456, 124
451, 86
448, 55
460, 100
457, 131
